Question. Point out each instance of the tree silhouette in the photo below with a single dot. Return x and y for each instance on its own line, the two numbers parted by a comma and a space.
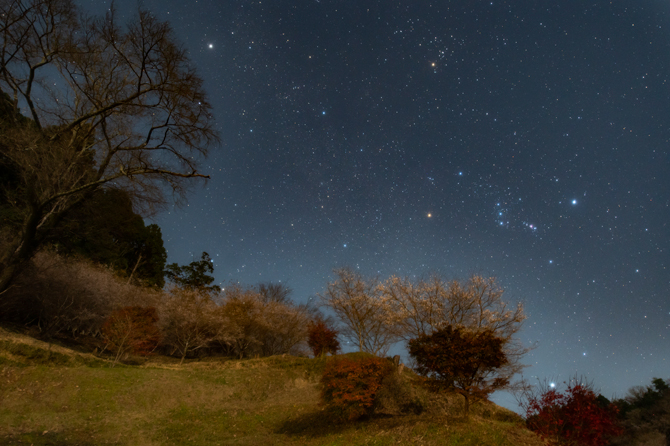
194, 275
106, 229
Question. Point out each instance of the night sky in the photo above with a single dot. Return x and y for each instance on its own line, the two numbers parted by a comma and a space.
526, 140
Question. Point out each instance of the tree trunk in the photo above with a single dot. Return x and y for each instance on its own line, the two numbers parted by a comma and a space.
184, 355
136, 265
466, 402
18, 253
6, 276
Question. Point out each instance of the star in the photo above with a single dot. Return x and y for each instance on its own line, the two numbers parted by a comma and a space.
211, 46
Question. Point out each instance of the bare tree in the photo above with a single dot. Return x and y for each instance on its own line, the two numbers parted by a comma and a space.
108, 107
243, 310
285, 327
425, 306
367, 314
429, 304
274, 292
188, 321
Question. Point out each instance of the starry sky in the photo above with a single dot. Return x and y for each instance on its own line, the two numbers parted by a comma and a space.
526, 140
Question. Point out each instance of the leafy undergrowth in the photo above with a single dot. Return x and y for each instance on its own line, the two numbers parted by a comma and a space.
52, 396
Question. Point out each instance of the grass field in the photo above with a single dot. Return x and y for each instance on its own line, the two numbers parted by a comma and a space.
50, 395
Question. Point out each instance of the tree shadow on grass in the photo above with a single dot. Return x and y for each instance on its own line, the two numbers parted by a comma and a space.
312, 424
46, 439
316, 424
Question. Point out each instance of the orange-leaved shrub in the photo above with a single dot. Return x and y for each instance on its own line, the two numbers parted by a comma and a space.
132, 330
349, 385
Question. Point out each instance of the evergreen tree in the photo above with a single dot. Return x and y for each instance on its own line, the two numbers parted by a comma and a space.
194, 275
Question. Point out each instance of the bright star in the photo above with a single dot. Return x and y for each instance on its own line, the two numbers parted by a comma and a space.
211, 45
574, 201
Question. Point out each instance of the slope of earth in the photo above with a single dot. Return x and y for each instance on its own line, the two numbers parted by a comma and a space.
50, 395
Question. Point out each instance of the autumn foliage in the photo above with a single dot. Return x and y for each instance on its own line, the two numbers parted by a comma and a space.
349, 385
462, 360
577, 417
322, 339
131, 330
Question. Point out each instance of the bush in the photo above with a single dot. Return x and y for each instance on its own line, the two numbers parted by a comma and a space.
349, 385
66, 295
576, 417
189, 321
262, 324
131, 330
322, 339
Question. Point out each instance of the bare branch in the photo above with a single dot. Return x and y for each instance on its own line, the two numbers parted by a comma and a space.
117, 108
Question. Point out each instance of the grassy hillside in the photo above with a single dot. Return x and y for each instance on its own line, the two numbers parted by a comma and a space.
51, 395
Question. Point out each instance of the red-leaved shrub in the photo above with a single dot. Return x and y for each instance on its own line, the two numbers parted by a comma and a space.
349, 385
576, 417
131, 330
322, 339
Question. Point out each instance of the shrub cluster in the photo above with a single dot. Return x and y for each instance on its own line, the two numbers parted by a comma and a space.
76, 297
67, 295
645, 414
349, 385
575, 417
